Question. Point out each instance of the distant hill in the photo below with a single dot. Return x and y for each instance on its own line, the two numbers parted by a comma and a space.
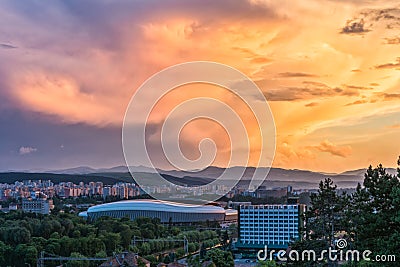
105, 178
277, 177
77, 170
361, 172
277, 174
11, 177
90, 170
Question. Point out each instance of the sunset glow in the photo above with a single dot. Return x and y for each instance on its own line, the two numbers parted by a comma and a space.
330, 71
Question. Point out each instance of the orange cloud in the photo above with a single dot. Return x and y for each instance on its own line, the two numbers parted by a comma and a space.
341, 151
394, 126
296, 55
312, 104
290, 153
390, 65
63, 97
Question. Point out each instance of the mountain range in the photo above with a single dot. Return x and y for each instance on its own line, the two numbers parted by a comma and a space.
277, 177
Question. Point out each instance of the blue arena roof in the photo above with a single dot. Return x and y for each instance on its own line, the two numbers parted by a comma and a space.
155, 205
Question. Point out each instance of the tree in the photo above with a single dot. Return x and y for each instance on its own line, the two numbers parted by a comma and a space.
111, 242
145, 249
193, 261
267, 264
153, 260
5, 252
126, 237
15, 235
175, 231
376, 226
180, 252
24, 235
326, 214
203, 251
325, 218
81, 263
369, 219
224, 238
25, 254
220, 258
141, 263
167, 259
192, 247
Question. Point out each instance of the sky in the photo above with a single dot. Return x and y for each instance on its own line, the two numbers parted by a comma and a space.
330, 71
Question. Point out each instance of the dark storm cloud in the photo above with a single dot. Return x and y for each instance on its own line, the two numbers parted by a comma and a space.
102, 15
67, 30
76, 28
63, 39
68, 23
56, 145
5, 101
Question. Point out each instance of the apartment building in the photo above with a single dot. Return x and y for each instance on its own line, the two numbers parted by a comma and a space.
271, 225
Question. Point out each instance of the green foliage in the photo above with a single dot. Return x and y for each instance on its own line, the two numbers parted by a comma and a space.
4, 251
15, 235
220, 258
180, 252
377, 226
327, 212
141, 263
153, 260
27, 254
24, 235
325, 218
81, 263
266, 264
193, 261
203, 251
369, 219
145, 249
192, 247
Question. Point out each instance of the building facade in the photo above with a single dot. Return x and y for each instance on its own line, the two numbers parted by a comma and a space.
271, 225
38, 205
167, 212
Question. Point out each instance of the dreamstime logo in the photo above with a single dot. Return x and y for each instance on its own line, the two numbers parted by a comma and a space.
341, 243
152, 91
331, 254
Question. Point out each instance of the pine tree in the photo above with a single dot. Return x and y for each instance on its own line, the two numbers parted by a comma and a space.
326, 214
324, 219
375, 210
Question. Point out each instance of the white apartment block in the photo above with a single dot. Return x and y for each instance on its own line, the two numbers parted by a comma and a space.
39, 205
271, 225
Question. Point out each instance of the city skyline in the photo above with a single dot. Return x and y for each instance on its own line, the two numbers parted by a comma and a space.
329, 71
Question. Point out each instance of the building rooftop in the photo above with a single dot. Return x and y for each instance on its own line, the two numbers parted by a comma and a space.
155, 205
